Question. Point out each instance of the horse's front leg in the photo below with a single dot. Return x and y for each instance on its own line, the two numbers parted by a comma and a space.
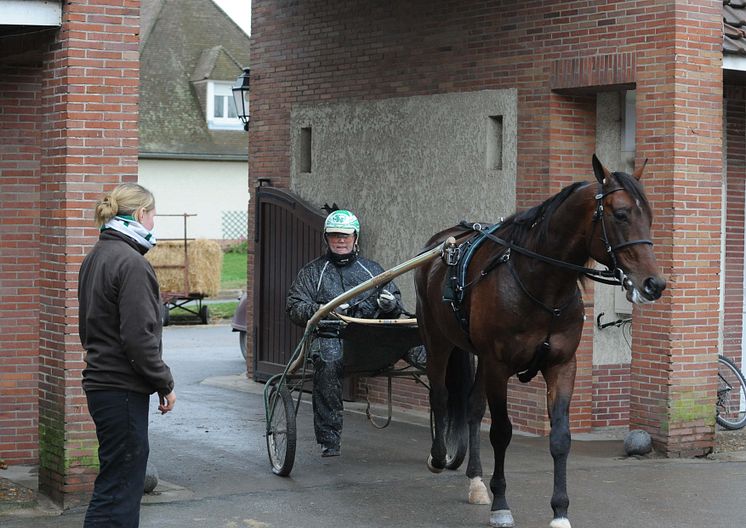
501, 432
560, 381
476, 407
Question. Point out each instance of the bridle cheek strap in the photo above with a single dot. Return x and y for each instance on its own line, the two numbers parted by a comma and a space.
611, 250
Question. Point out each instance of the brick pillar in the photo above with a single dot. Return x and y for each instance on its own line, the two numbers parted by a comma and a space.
679, 128
88, 143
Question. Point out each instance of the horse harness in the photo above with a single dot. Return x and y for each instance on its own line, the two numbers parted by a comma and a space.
458, 257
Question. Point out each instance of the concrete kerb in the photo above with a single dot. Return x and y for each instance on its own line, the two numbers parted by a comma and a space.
43, 506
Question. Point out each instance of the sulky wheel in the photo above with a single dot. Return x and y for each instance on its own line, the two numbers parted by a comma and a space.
204, 314
242, 342
455, 440
281, 435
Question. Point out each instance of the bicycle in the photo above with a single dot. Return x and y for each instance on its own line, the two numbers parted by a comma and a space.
730, 409
731, 402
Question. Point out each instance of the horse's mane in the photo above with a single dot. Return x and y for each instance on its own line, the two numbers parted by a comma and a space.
518, 228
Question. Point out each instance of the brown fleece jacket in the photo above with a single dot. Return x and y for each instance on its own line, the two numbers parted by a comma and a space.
120, 319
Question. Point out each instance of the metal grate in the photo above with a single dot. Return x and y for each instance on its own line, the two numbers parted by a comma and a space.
235, 225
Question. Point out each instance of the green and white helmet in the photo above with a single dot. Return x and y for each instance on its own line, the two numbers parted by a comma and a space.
342, 221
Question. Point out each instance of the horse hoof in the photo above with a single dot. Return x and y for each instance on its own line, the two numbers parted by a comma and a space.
560, 522
431, 467
501, 519
478, 492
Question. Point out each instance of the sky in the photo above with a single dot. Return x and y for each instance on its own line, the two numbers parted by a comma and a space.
239, 11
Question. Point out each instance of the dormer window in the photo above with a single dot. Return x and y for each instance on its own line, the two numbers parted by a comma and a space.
221, 110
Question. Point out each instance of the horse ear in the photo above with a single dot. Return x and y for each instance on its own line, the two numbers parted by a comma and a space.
638, 172
601, 172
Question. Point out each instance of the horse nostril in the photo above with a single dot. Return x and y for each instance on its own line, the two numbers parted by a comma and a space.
654, 286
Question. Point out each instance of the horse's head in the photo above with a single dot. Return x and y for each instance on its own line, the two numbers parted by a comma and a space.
621, 233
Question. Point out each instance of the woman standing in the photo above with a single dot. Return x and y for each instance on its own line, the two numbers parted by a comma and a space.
120, 330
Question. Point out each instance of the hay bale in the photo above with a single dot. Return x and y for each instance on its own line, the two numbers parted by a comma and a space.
205, 259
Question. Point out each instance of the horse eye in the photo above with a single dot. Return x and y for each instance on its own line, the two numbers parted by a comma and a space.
621, 216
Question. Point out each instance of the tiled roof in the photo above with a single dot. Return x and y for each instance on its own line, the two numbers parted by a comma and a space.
734, 27
183, 44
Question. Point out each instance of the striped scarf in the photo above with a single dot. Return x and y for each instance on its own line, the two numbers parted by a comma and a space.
127, 225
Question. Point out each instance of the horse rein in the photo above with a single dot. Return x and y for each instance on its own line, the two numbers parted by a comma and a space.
605, 276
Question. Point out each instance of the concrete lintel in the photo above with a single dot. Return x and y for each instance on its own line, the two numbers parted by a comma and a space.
31, 13
734, 62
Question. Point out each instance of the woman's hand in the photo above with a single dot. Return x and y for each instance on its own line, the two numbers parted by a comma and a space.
167, 402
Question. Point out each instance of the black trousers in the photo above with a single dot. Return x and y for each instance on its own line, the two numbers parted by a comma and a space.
327, 400
121, 419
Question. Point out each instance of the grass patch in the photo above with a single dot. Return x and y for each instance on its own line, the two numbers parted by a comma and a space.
233, 276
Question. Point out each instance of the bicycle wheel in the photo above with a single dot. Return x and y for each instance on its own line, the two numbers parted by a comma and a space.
281, 433
731, 403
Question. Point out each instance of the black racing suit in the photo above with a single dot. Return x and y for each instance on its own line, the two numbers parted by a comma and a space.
317, 283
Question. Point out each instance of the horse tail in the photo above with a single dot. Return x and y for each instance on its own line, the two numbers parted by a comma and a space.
459, 381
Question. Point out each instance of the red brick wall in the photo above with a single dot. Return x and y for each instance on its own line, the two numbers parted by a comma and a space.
309, 52
89, 143
735, 111
19, 263
610, 395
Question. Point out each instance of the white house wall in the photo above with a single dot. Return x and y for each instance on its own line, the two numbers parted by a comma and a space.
216, 191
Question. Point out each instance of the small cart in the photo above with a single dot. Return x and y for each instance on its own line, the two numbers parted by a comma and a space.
371, 348
180, 299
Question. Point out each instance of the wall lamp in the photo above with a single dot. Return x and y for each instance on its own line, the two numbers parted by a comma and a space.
241, 96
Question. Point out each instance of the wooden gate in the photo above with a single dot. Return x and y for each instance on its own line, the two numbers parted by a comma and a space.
289, 234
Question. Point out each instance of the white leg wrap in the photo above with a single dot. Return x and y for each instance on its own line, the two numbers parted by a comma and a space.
560, 522
430, 465
501, 519
478, 492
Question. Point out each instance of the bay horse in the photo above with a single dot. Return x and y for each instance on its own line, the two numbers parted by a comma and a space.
521, 312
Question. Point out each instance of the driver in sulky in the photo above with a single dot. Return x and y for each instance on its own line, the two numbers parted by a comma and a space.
317, 283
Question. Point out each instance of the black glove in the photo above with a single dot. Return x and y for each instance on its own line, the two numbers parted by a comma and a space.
386, 301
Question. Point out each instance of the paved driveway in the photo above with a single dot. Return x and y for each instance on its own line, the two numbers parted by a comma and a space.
212, 462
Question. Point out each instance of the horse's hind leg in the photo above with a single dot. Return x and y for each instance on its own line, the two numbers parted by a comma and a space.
501, 432
437, 362
560, 381
476, 407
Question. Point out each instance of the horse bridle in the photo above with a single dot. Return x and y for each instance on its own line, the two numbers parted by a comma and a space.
616, 272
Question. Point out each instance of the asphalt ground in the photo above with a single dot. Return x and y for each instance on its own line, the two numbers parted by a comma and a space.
213, 468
